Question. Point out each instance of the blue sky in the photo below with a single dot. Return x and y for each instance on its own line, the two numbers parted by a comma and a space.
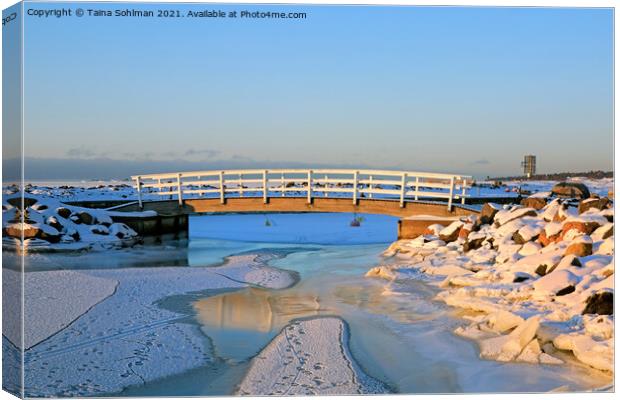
469, 90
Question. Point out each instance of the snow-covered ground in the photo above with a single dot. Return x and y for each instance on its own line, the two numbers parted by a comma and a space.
602, 187
125, 339
534, 284
80, 190
309, 357
54, 300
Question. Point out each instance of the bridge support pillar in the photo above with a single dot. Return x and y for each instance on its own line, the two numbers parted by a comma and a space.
411, 228
176, 225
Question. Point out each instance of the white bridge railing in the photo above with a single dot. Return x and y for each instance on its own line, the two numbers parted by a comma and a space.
399, 186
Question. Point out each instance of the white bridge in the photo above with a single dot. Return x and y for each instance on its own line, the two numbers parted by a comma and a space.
310, 184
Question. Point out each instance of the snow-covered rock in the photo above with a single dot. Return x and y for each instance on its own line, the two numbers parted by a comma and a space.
595, 353
532, 282
508, 347
50, 225
451, 232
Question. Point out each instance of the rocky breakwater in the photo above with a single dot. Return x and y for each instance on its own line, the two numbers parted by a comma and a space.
46, 224
535, 280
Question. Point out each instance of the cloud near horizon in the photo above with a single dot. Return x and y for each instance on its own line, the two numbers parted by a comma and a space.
84, 153
41, 169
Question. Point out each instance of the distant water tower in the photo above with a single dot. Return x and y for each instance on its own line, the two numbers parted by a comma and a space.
529, 165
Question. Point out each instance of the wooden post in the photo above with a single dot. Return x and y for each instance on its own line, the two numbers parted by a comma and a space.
282, 183
265, 195
310, 187
180, 190
402, 190
464, 192
417, 187
451, 194
222, 198
200, 193
355, 187
139, 190
325, 186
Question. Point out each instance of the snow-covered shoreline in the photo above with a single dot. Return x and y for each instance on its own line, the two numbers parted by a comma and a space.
534, 280
48, 225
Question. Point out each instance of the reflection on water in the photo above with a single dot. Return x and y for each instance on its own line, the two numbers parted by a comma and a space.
255, 309
241, 323
172, 253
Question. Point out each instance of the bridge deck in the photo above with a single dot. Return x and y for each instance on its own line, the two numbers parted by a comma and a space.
298, 204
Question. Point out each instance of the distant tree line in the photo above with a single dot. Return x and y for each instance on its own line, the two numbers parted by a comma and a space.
559, 176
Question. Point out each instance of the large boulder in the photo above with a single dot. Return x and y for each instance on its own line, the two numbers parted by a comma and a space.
84, 218
505, 216
568, 262
564, 212
508, 347
527, 234
17, 201
16, 229
555, 282
466, 230
580, 247
39, 231
593, 202
600, 303
473, 243
573, 190
567, 290
48, 233
582, 225
433, 229
100, 230
63, 212
488, 213
603, 232
535, 202
548, 236
54, 223
547, 266
451, 232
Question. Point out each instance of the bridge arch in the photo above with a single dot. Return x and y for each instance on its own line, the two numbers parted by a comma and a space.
419, 198
279, 190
